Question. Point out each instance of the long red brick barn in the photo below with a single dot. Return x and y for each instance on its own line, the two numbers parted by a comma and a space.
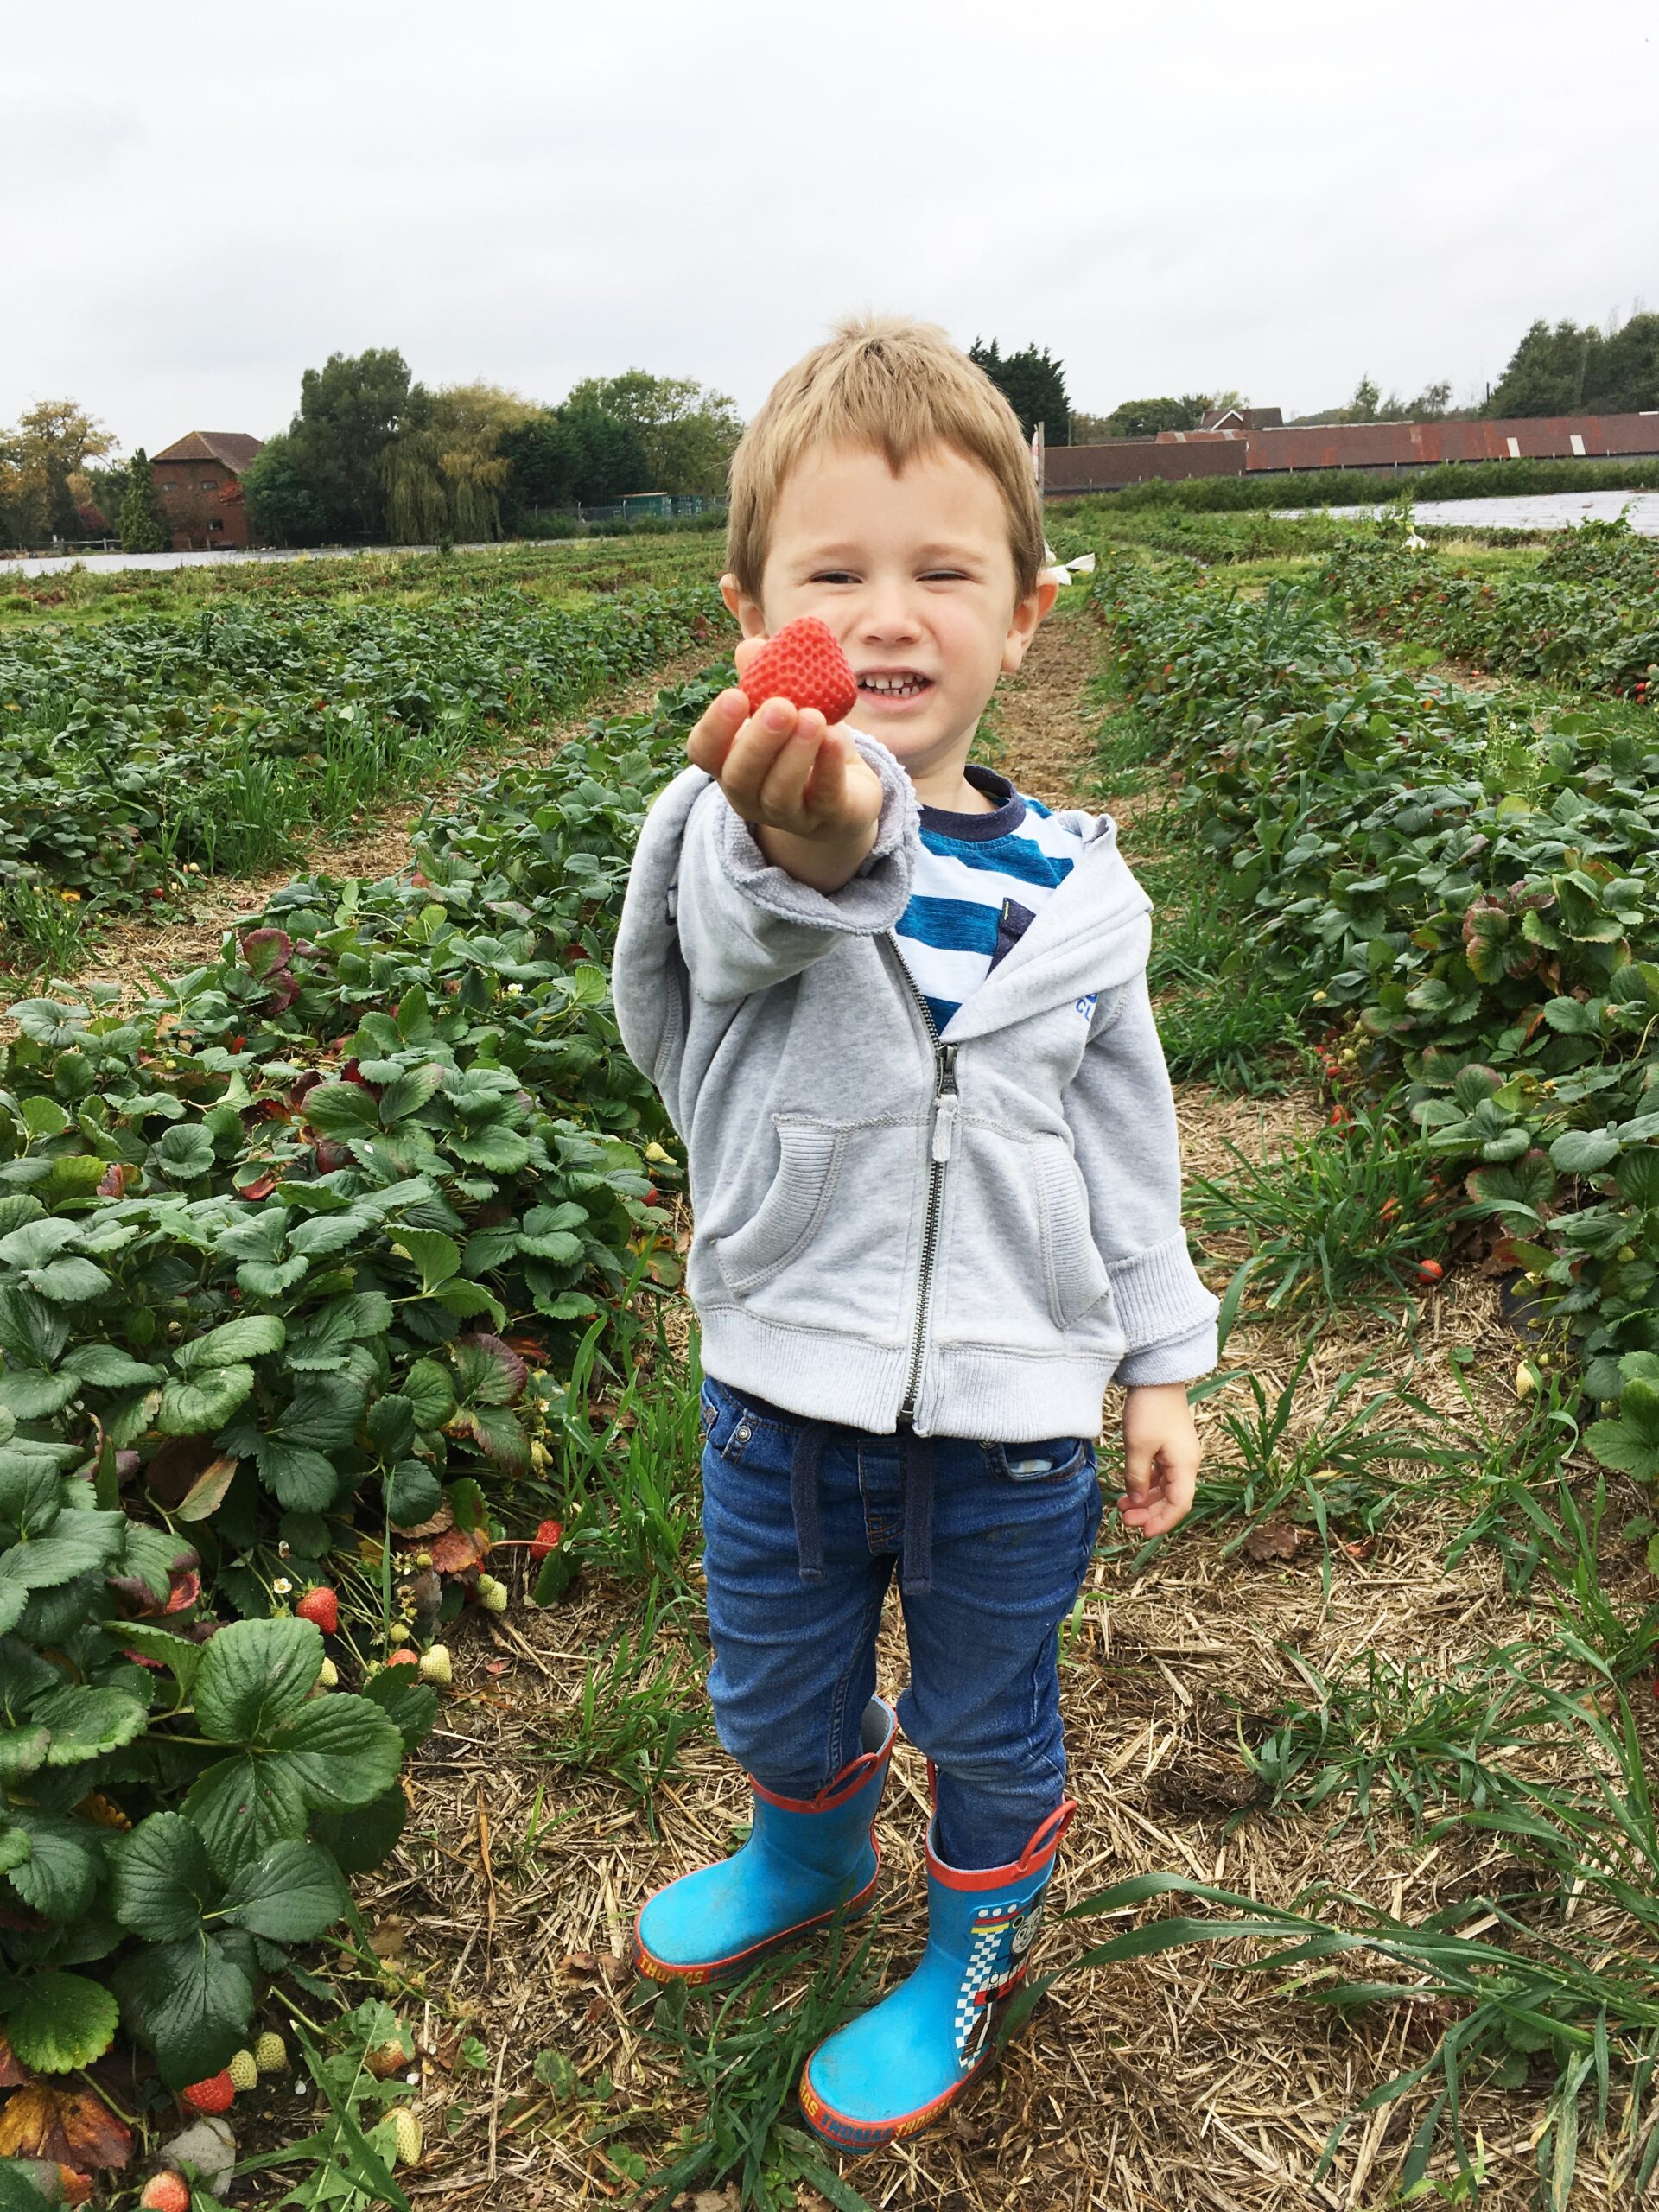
1245, 446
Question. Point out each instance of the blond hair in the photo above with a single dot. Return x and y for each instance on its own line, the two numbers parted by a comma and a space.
899, 388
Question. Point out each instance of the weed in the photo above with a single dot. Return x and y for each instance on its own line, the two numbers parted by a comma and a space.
1353, 1205
744, 2056
637, 1707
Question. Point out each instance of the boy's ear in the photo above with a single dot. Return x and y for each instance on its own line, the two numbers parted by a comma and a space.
746, 611
1028, 613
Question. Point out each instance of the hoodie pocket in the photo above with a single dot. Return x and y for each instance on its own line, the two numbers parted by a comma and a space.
797, 1199
1076, 1274
1022, 1265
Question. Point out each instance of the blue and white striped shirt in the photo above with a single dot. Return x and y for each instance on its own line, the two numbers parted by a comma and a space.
979, 880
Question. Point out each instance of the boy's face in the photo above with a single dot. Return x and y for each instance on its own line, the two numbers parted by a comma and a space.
914, 574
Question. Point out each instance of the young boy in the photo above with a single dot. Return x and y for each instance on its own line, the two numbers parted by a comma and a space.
898, 1011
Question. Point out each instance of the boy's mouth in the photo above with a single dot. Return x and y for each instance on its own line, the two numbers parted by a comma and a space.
894, 687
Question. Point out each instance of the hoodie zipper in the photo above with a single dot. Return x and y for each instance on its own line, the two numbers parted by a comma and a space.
946, 1105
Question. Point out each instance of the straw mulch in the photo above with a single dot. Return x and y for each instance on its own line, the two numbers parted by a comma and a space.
1177, 2084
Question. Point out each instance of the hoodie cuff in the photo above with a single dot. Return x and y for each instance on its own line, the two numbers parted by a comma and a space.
1165, 1313
873, 897
1183, 1359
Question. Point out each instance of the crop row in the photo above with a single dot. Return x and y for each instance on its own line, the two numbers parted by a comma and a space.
1586, 617
290, 1264
579, 564
1482, 900
134, 752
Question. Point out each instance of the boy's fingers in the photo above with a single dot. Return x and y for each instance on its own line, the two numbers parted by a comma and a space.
711, 741
783, 793
758, 740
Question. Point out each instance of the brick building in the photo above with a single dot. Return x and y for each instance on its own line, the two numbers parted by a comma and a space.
199, 488
1247, 448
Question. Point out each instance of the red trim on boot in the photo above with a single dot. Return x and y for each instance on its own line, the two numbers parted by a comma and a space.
738, 1963
839, 1788
1037, 1854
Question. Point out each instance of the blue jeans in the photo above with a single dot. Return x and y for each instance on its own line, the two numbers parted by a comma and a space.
793, 1609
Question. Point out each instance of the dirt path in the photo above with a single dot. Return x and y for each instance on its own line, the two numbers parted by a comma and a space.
1168, 2085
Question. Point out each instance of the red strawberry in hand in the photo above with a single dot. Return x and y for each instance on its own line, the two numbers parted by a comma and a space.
804, 664
321, 1606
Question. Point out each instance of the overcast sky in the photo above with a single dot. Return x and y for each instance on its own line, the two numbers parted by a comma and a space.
202, 200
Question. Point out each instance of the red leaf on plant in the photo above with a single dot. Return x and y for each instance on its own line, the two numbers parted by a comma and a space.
261, 1187
458, 1550
67, 2127
117, 1177
185, 1592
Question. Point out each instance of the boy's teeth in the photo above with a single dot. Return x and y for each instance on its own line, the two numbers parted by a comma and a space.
902, 684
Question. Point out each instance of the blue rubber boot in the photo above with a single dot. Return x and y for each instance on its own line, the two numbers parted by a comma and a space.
888, 2073
806, 1860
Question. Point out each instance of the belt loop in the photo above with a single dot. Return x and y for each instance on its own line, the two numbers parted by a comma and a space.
803, 1499
916, 1569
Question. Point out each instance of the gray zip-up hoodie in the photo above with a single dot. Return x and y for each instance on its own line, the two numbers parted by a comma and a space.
968, 1233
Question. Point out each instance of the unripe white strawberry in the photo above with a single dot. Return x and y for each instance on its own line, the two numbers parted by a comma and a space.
406, 2122
270, 2053
243, 2069
328, 1674
494, 1600
435, 1666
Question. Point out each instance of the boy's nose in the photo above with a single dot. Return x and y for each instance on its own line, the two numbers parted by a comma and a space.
888, 616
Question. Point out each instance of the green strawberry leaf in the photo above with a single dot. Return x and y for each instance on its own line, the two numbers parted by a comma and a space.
254, 1676
57, 2021
232, 1343
188, 1409
289, 1894
86, 1722
162, 1885
189, 2001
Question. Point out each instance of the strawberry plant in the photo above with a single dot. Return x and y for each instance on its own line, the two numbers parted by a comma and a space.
1587, 616
132, 753
1471, 884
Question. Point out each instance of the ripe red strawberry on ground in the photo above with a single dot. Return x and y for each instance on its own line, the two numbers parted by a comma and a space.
165, 2192
216, 2094
804, 664
549, 1534
322, 1605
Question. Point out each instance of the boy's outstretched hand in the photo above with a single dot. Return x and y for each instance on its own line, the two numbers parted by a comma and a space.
1160, 1457
786, 771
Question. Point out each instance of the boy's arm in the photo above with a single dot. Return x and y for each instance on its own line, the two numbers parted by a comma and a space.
747, 920
1122, 1114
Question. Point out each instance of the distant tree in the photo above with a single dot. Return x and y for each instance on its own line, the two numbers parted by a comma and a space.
143, 529
607, 455
53, 442
1034, 384
687, 433
350, 411
282, 509
444, 472
540, 454
1573, 370
1144, 418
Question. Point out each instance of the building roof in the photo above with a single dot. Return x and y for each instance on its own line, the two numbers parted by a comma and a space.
232, 449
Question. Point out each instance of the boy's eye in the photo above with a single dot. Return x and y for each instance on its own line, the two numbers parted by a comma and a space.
832, 577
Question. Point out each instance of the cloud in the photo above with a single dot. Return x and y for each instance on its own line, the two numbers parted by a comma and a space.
1277, 201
